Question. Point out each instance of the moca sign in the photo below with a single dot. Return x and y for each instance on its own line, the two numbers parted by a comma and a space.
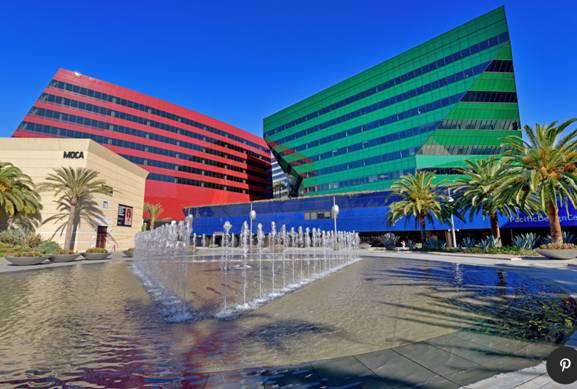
73, 155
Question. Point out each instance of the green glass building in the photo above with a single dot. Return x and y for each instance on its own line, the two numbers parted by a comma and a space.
450, 99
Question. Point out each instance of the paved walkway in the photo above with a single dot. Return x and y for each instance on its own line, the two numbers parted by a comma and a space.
562, 272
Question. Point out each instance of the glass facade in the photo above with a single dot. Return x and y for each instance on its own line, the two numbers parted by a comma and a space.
362, 212
192, 159
450, 99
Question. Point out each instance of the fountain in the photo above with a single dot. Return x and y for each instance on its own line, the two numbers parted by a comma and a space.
165, 257
169, 242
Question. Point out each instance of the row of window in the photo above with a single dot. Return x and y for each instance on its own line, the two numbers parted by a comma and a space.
453, 78
384, 121
359, 181
202, 184
104, 140
189, 169
500, 66
144, 108
444, 171
482, 124
65, 117
137, 119
458, 124
459, 150
395, 155
426, 149
493, 41
314, 215
374, 142
490, 97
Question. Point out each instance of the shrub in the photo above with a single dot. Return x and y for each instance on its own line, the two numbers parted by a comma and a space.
389, 241
32, 240
558, 246
435, 243
526, 241
468, 242
96, 250
60, 251
12, 237
25, 253
48, 247
412, 245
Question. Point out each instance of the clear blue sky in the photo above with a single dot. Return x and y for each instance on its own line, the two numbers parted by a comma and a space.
240, 61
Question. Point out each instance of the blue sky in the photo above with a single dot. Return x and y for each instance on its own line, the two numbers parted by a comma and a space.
240, 61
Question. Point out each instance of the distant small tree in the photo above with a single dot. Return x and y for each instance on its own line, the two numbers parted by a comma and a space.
153, 211
278, 188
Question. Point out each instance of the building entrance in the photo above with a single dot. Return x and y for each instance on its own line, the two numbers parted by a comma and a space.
101, 233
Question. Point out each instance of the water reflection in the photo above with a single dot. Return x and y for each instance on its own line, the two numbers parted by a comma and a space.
95, 325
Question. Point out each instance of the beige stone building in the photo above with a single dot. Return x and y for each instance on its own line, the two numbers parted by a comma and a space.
37, 157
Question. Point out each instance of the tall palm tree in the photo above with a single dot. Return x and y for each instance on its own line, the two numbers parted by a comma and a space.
477, 192
543, 167
416, 196
74, 190
18, 197
154, 211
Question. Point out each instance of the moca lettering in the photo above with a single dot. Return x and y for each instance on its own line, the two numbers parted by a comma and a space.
73, 155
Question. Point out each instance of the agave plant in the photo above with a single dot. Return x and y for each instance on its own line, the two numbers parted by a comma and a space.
526, 241
567, 238
433, 242
489, 242
468, 242
389, 240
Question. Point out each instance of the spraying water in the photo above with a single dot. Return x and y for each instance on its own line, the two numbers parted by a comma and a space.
164, 258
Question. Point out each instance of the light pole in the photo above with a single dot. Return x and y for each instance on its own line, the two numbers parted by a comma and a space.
252, 216
453, 232
335, 213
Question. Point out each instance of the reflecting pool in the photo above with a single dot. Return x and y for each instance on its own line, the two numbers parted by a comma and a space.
97, 326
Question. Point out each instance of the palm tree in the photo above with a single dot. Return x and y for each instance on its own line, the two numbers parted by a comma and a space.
416, 196
477, 192
154, 211
18, 198
74, 189
543, 168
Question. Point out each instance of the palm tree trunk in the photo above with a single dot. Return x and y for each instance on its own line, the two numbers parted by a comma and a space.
68, 241
152, 222
495, 229
422, 227
554, 223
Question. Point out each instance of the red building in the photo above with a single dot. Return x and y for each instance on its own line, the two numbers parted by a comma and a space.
192, 158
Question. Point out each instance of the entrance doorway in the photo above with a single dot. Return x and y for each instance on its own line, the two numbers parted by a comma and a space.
101, 233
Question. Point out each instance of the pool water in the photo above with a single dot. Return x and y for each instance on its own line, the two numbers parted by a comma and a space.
96, 325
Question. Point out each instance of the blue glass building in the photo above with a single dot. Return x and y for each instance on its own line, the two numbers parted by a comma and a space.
364, 212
